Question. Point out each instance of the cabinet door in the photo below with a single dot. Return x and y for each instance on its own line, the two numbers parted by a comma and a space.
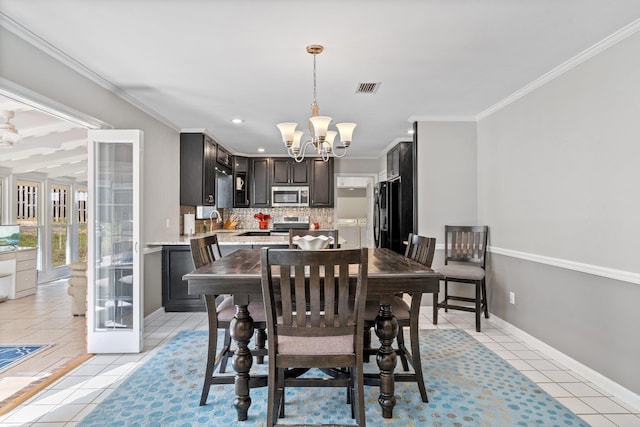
240, 182
393, 162
299, 172
209, 171
197, 169
321, 183
260, 183
280, 171
176, 262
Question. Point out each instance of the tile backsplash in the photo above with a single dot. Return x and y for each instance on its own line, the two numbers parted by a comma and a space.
324, 216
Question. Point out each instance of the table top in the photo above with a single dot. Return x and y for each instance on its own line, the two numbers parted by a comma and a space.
240, 272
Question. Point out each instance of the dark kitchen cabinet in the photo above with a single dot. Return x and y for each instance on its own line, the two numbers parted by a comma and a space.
176, 262
260, 183
241, 180
321, 183
197, 170
223, 157
287, 171
400, 160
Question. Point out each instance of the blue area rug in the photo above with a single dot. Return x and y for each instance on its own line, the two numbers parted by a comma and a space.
468, 385
12, 354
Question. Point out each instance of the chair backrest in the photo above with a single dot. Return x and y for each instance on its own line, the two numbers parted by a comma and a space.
466, 243
329, 233
421, 249
319, 280
205, 250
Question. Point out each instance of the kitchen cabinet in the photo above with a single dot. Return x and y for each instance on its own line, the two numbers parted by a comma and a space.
400, 160
241, 182
224, 157
260, 182
197, 170
321, 183
286, 171
176, 262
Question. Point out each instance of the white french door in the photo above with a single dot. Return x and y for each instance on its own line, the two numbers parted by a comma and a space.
114, 265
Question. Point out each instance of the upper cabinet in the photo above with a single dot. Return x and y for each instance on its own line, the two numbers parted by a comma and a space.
197, 170
321, 183
241, 179
223, 157
260, 184
287, 171
400, 160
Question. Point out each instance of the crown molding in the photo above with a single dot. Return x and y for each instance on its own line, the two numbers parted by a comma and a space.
583, 56
429, 118
49, 49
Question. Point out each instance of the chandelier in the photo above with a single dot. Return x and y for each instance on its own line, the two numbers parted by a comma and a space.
321, 138
8, 132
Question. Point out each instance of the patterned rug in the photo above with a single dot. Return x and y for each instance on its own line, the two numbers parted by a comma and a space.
12, 354
468, 385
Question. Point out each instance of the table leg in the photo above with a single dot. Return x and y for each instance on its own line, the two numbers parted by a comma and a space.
241, 329
386, 329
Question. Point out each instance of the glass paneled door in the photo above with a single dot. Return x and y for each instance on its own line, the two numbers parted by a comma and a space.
114, 254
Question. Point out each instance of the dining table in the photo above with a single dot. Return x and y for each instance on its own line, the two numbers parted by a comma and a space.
239, 274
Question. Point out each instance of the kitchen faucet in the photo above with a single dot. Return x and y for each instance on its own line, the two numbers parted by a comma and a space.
218, 219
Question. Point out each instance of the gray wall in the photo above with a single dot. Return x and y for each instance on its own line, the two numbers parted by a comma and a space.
558, 184
36, 71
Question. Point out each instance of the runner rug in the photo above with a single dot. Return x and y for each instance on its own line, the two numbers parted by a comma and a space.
468, 385
12, 354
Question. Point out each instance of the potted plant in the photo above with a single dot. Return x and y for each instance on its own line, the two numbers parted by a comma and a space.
263, 220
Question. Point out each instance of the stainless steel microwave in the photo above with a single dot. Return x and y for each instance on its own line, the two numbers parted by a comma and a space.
289, 196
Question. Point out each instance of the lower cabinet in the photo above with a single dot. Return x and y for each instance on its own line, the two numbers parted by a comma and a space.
176, 262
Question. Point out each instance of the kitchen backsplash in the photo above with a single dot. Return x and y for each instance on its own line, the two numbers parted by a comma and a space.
324, 216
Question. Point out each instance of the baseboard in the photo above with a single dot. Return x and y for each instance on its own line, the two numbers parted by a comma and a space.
153, 315
595, 377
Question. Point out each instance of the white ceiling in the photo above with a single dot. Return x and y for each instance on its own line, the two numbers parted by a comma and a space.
200, 63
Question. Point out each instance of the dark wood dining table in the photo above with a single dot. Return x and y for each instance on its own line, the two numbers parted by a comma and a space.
239, 274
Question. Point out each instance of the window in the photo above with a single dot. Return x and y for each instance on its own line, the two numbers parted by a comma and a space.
81, 199
27, 215
60, 225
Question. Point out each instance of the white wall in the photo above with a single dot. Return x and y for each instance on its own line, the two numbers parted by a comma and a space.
558, 184
36, 71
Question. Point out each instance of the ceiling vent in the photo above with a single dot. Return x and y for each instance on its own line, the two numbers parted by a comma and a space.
368, 87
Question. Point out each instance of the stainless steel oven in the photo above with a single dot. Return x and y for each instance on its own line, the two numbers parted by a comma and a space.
289, 196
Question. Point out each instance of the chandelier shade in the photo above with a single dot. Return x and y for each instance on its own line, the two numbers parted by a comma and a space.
321, 138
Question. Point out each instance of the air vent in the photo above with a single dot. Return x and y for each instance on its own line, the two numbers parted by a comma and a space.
368, 87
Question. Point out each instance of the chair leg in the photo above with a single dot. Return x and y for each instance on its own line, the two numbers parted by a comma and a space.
261, 339
225, 352
435, 308
446, 295
367, 343
211, 350
358, 398
402, 349
485, 299
415, 357
478, 305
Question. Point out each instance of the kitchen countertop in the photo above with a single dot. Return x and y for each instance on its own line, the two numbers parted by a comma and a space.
230, 237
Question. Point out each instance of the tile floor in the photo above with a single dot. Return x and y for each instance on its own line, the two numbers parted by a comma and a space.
68, 400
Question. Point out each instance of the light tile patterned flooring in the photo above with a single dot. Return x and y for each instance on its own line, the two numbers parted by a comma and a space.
68, 400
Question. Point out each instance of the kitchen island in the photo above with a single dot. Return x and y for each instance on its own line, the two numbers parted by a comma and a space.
176, 262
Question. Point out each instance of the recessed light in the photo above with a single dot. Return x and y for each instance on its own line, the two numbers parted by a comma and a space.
260, 150
237, 121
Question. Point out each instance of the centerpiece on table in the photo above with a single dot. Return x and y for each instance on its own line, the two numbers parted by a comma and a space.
263, 220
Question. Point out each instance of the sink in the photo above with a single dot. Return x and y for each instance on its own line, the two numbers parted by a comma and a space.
255, 233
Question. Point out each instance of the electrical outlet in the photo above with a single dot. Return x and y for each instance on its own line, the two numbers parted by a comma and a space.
512, 297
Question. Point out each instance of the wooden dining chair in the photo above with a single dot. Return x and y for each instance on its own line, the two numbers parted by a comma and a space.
205, 250
327, 335
300, 233
465, 256
422, 250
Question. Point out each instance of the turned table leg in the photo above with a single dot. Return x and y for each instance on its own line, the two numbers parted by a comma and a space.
386, 329
241, 330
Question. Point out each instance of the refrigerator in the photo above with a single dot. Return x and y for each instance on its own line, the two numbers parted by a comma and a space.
392, 215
